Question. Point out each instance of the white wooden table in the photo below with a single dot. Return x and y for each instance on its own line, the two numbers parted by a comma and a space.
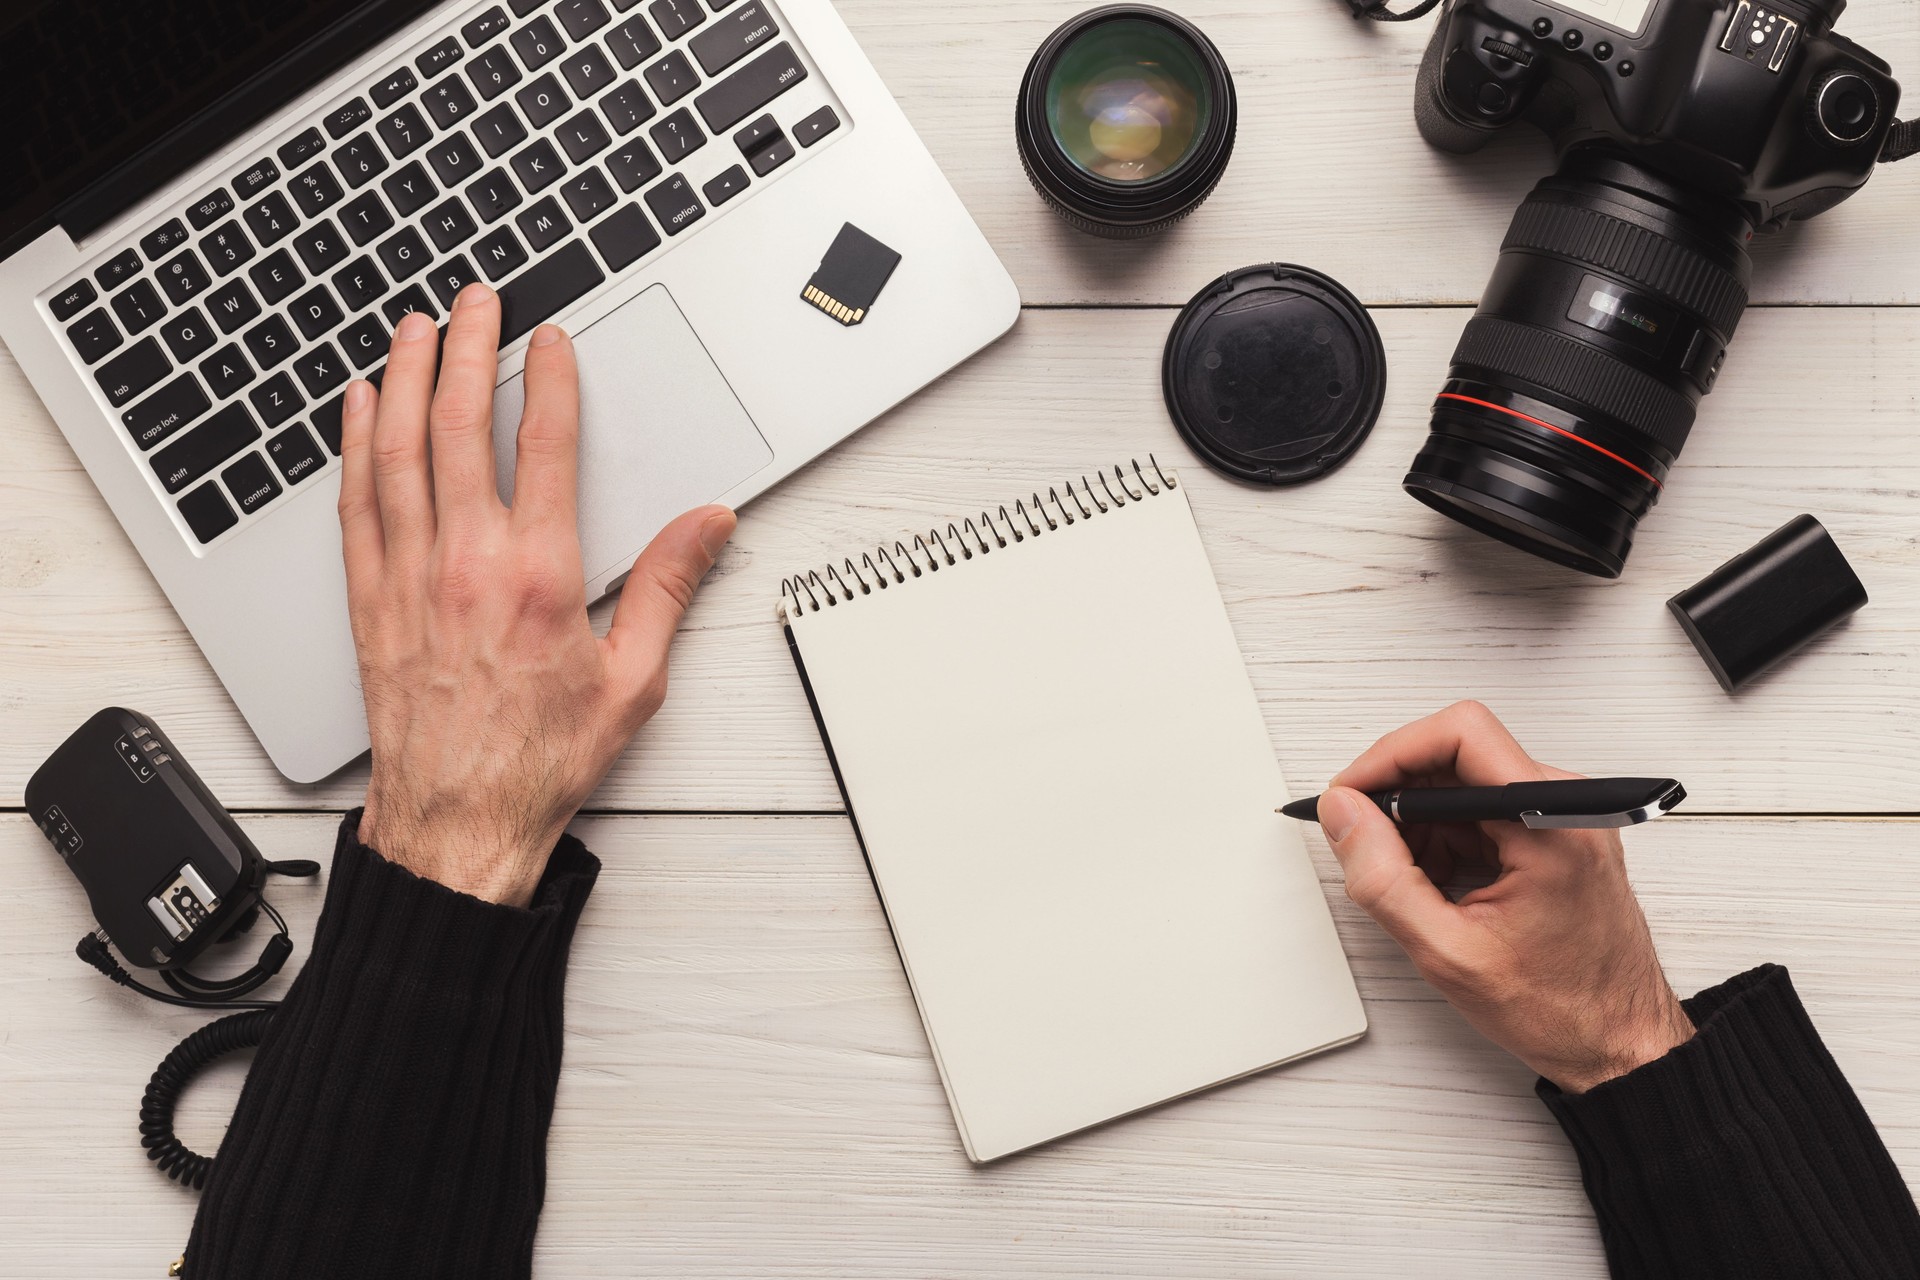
747, 1091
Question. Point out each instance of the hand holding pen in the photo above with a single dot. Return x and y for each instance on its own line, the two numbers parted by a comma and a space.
1552, 960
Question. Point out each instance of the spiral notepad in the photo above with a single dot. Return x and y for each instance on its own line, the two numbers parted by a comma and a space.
1065, 792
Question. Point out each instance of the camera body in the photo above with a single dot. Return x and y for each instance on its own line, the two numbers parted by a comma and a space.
1760, 102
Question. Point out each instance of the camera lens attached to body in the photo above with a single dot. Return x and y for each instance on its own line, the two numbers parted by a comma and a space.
1125, 120
1575, 384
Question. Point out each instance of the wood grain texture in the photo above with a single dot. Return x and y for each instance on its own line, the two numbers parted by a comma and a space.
1357, 608
1328, 168
748, 1094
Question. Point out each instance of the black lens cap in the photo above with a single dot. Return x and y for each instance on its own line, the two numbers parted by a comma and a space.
1274, 374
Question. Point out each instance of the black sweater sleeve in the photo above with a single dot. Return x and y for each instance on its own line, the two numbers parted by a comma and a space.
394, 1122
1742, 1154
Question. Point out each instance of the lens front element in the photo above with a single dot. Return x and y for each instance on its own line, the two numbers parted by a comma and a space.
1127, 100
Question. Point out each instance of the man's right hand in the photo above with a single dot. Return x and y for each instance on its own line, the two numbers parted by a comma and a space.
1552, 961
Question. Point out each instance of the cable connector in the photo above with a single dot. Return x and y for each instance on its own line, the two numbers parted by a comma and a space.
92, 948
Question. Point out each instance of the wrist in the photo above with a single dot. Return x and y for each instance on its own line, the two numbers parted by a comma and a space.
1628, 1047
479, 864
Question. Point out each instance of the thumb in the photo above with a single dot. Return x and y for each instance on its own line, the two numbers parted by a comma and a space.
661, 586
1382, 879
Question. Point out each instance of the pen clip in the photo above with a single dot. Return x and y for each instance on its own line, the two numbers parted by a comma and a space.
1657, 805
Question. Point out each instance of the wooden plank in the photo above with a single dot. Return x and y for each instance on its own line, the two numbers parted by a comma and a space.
1357, 608
748, 1094
1328, 168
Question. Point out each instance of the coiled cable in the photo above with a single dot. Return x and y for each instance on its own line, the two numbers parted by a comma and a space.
209, 1044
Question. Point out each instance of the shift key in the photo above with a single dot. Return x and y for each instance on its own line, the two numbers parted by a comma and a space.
544, 289
205, 447
751, 87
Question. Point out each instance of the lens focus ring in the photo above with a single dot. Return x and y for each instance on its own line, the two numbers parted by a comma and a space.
1580, 373
1677, 273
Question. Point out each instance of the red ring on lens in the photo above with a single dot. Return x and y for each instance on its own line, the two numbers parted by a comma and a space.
1524, 417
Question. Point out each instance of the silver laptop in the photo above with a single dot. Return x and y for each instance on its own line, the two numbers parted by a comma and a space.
221, 208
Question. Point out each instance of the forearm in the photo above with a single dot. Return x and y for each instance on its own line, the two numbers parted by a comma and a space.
1742, 1153
394, 1121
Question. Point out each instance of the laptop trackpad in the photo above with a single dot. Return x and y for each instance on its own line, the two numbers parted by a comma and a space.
661, 432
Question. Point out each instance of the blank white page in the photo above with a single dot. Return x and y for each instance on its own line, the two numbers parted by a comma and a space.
1066, 794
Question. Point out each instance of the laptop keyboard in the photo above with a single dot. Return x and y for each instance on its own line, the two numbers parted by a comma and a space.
538, 146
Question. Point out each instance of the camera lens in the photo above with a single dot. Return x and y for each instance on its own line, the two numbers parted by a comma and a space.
1125, 120
1575, 384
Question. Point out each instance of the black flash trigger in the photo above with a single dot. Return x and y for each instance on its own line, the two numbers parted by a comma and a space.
851, 276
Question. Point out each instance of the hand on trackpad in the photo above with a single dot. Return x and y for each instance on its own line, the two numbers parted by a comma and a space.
660, 430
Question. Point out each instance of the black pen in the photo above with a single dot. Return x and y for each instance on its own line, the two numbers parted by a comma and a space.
1578, 803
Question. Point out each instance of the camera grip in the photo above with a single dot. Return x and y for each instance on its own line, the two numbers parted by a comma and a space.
1436, 124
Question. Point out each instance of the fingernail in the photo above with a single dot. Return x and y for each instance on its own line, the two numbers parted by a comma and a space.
1338, 815
715, 530
413, 326
473, 294
358, 394
546, 335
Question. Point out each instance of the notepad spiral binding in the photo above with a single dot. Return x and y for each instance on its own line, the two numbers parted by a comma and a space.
883, 567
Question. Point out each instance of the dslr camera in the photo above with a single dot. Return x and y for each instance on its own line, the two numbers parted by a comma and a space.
1682, 128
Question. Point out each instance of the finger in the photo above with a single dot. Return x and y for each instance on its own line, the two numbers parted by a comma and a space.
657, 594
464, 487
1466, 740
1383, 879
362, 543
402, 484
547, 456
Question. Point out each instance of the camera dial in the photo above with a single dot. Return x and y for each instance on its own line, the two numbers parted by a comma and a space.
1846, 107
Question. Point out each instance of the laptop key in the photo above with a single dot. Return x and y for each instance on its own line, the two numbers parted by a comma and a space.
132, 371
733, 37
454, 159
409, 300
448, 103
321, 369
321, 246
166, 411
499, 253
537, 43
360, 283
546, 288
583, 137
543, 101
315, 312
538, 167
294, 454
77, 295
581, 18
404, 253
163, 239
493, 72
272, 220
187, 334
117, 270
449, 224
140, 307
543, 225
439, 58
326, 421
409, 189
404, 132
182, 277
251, 482
226, 371
316, 190
499, 131
450, 277
301, 149
485, 27
627, 107
588, 194
587, 71
771, 156
674, 204
726, 186
206, 512
275, 276
232, 305
672, 78
633, 42
270, 341
624, 236
521, 8
365, 342
752, 137
678, 136
359, 160
227, 248
256, 178
276, 400
347, 117
493, 195
633, 165
365, 218
751, 88
205, 447
93, 335
676, 17
210, 208
395, 87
